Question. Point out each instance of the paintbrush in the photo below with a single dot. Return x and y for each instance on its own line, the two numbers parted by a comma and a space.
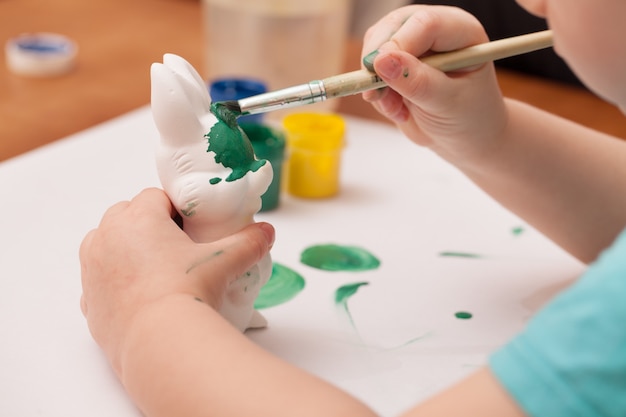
362, 80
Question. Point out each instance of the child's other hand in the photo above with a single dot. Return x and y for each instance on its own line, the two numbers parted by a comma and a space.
138, 256
459, 115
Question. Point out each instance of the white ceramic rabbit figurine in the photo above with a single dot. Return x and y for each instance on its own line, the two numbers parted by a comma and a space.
208, 169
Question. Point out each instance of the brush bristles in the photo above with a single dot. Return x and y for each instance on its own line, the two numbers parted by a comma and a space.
231, 105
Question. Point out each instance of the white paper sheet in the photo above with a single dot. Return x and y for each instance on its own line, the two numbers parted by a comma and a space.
398, 201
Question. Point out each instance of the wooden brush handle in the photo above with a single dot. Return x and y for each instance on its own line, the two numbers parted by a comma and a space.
362, 80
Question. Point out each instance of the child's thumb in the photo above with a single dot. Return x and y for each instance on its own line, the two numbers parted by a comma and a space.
237, 253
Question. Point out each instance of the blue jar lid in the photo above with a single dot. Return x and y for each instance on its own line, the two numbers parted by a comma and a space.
235, 88
40, 54
225, 89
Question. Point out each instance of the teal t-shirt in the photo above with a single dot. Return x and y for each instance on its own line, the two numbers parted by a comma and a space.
571, 359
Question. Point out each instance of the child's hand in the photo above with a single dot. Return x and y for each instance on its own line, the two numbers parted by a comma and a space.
138, 256
459, 115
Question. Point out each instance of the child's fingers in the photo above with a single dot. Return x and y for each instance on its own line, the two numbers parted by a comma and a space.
219, 263
392, 106
154, 199
384, 29
436, 29
419, 30
235, 254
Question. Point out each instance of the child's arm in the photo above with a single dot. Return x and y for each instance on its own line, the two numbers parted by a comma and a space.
564, 179
150, 296
478, 395
561, 177
183, 359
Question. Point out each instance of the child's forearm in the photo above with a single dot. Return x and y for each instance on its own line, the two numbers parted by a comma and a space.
564, 179
478, 395
181, 358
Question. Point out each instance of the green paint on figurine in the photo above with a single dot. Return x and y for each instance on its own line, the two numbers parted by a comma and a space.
231, 145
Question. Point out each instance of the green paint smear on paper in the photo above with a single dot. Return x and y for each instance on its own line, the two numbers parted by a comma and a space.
463, 315
231, 145
343, 294
283, 285
460, 255
339, 258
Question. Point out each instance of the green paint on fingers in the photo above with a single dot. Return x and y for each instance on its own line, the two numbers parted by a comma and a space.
368, 60
203, 260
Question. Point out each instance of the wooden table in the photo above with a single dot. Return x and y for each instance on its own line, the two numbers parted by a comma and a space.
118, 41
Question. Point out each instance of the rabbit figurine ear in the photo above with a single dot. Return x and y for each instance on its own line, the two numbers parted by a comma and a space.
180, 101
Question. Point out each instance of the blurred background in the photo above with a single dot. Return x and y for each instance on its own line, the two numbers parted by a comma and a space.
503, 18
118, 40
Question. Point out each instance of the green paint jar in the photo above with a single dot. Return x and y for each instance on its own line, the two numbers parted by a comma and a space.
315, 141
268, 143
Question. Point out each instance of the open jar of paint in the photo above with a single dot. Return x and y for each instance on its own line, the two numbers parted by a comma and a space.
268, 143
314, 143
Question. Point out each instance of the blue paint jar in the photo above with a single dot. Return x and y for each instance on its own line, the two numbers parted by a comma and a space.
226, 89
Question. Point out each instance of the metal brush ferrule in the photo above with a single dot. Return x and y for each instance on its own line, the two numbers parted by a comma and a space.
312, 92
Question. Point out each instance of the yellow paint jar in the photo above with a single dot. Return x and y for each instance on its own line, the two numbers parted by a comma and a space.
314, 142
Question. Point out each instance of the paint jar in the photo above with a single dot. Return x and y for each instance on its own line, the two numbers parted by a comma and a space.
282, 42
268, 143
225, 89
314, 142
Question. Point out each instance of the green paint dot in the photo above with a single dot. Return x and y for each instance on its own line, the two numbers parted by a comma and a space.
517, 231
339, 258
283, 285
231, 145
344, 292
215, 180
459, 255
405, 74
463, 315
